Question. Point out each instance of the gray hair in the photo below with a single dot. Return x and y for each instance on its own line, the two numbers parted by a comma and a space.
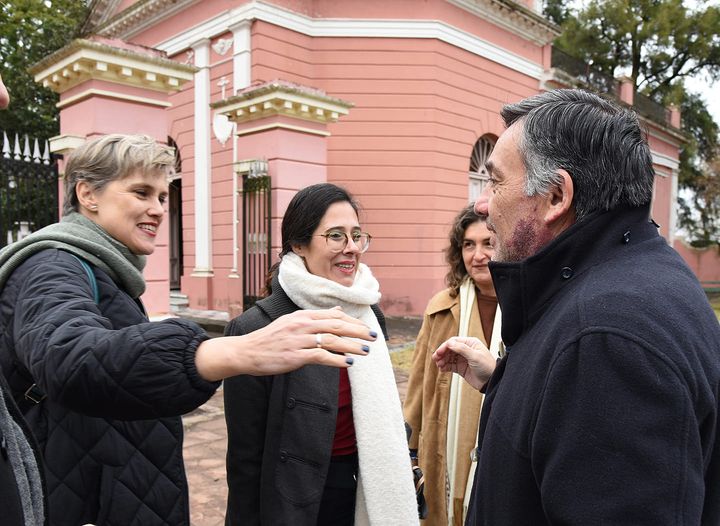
111, 157
600, 145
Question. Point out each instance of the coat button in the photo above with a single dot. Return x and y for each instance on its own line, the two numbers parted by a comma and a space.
290, 402
566, 273
283, 456
626, 237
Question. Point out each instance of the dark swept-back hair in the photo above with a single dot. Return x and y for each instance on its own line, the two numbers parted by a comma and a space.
600, 145
303, 215
306, 210
453, 253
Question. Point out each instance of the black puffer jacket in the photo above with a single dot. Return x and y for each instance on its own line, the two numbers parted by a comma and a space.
108, 429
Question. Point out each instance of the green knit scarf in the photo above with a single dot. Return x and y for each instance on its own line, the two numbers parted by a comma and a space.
81, 236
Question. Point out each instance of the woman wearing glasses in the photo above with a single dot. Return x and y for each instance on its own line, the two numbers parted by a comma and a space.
319, 446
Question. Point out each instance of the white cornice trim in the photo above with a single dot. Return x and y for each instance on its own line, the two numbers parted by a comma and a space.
423, 29
100, 12
284, 126
664, 133
112, 95
277, 98
83, 60
665, 161
513, 18
64, 144
140, 16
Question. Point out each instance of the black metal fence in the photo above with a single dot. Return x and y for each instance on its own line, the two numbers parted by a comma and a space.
28, 189
256, 236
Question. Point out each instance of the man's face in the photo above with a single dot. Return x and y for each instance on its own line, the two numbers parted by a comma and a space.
515, 219
4, 97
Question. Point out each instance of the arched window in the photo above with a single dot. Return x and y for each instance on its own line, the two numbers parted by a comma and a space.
178, 160
477, 174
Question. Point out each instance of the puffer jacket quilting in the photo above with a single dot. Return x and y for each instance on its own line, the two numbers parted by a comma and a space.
108, 430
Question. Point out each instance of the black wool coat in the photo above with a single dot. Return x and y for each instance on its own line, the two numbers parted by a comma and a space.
605, 409
280, 432
109, 429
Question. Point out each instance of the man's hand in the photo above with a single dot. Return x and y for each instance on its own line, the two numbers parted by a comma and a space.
467, 357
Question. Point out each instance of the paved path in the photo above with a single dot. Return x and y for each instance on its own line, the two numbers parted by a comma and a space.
205, 448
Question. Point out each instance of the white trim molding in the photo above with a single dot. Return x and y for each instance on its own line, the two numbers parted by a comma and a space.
242, 49
111, 95
512, 17
203, 161
64, 144
326, 27
666, 162
83, 60
140, 16
282, 98
281, 126
672, 227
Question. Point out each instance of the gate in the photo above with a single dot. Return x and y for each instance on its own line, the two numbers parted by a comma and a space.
28, 189
256, 233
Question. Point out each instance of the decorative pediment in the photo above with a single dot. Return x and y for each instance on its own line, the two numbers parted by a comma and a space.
113, 61
100, 11
513, 17
282, 98
143, 13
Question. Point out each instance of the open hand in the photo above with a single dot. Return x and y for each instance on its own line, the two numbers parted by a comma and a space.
290, 342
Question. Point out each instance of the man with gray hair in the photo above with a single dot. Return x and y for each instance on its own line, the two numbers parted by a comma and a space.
605, 408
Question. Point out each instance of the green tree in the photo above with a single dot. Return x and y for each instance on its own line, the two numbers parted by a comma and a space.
659, 44
29, 31
699, 205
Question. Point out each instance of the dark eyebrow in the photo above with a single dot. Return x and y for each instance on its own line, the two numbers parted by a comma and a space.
489, 166
492, 169
341, 228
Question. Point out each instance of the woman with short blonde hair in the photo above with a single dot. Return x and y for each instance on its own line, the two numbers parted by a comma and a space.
100, 385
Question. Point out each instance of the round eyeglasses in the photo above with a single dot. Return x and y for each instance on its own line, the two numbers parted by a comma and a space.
337, 240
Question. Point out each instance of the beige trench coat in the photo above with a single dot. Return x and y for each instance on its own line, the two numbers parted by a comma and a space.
426, 407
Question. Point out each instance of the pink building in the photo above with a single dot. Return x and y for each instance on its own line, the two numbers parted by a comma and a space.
397, 100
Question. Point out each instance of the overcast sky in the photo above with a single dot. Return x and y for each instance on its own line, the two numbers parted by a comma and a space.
709, 93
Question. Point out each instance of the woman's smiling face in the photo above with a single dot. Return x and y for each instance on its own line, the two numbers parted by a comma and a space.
131, 209
321, 259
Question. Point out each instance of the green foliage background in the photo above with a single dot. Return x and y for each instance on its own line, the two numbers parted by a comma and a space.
659, 44
29, 31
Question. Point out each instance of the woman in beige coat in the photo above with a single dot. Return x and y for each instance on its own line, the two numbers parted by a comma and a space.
444, 413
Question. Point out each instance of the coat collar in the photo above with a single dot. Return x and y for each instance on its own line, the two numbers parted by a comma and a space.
443, 301
524, 288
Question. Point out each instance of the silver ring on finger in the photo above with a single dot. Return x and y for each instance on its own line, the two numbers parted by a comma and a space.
318, 340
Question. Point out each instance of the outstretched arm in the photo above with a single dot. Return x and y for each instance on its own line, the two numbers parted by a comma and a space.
290, 342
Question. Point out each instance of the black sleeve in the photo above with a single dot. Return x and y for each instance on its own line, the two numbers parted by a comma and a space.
246, 411
80, 361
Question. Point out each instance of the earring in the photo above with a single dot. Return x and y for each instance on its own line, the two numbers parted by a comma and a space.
93, 208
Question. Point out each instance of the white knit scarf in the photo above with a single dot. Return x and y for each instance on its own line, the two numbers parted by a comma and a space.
386, 493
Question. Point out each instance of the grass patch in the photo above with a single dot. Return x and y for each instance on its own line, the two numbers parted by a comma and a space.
716, 307
402, 359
